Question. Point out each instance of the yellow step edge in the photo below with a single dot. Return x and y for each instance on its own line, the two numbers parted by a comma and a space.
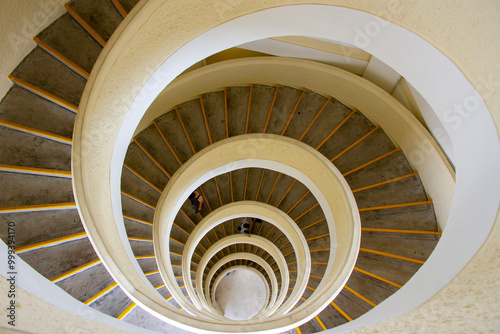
138, 200
341, 311
350, 147
399, 231
85, 25
40, 207
100, 293
126, 311
76, 270
142, 178
384, 182
140, 239
319, 250
377, 277
52, 242
317, 222
371, 162
330, 135
319, 236
160, 286
44, 94
151, 273
360, 296
61, 58
306, 212
394, 206
36, 132
180, 228
145, 257
391, 255
37, 171
120, 8
138, 220
298, 330
320, 323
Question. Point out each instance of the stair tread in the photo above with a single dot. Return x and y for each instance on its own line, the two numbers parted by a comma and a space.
395, 270
407, 190
309, 106
74, 43
102, 16
23, 149
47, 73
35, 227
260, 104
237, 111
132, 184
22, 107
88, 283
214, 105
171, 128
63, 257
144, 166
27, 189
113, 303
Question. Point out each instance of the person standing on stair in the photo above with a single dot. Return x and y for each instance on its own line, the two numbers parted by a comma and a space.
246, 227
197, 201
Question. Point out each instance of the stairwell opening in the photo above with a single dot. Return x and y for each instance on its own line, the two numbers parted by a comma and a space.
240, 294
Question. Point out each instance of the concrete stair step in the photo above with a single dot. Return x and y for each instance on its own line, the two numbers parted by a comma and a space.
23, 149
407, 190
237, 110
414, 246
112, 303
25, 189
420, 218
88, 283
45, 72
63, 258
285, 101
68, 38
140, 163
215, 112
327, 120
331, 317
25, 108
101, 15
394, 270
171, 127
260, 105
40, 226
134, 185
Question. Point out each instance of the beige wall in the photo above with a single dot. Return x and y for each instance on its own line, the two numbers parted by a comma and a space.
20, 21
467, 32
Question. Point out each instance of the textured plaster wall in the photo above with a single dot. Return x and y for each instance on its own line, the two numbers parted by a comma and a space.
465, 31
20, 21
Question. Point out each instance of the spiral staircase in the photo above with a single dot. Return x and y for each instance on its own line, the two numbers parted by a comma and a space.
399, 229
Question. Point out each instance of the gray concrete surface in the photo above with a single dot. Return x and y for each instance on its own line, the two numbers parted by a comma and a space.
240, 295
